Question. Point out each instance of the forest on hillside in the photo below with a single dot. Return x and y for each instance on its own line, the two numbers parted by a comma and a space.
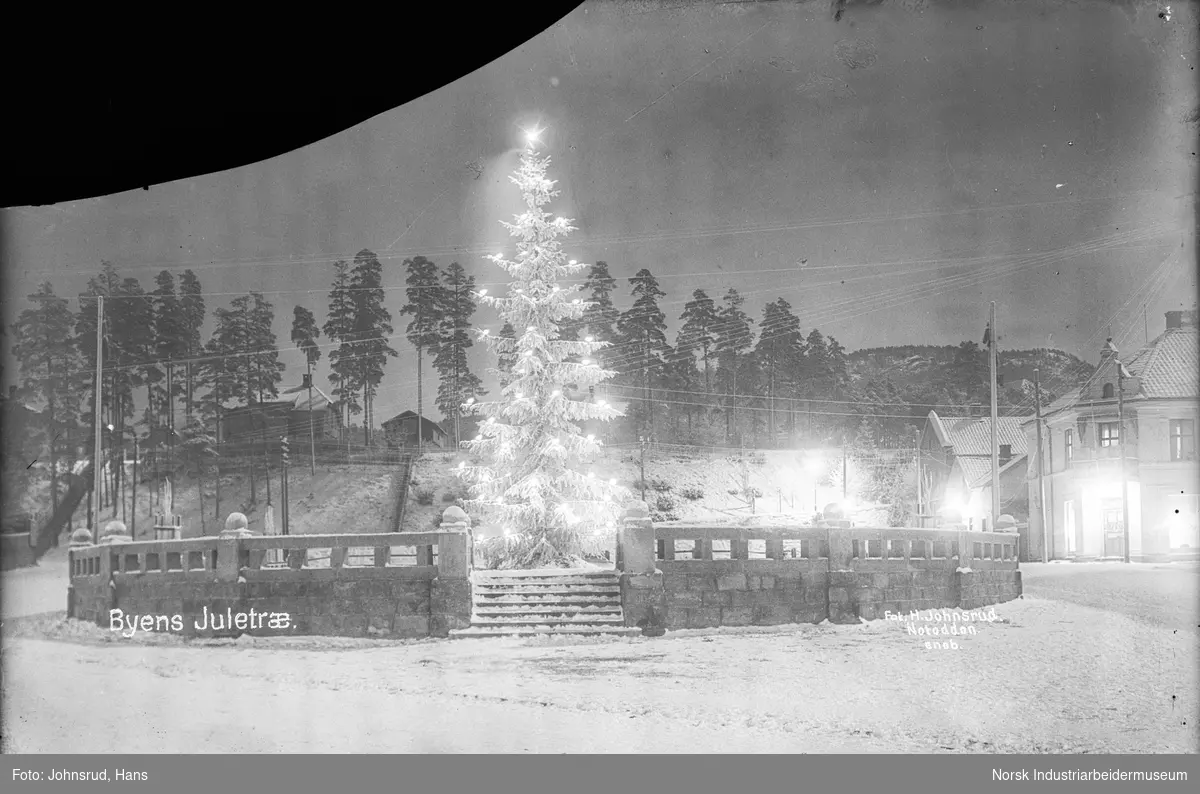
173, 364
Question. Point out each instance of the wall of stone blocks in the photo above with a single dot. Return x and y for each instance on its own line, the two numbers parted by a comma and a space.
706, 593
316, 602
695, 594
983, 588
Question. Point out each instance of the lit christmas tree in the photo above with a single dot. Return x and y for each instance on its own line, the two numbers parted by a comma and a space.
533, 478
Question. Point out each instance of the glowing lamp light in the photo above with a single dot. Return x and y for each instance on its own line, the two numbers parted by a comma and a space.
531, 328
556, 393
470, 401
479, 437
613, 481
486, 331
602, 403
591, 339
483, 292
571, 262
587, 361
591, 437
462, 464
533, 134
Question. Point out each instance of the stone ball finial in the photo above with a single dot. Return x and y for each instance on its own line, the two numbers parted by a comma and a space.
81, 537
236, 522
455, 515
114, 528
833, 512
1006, 522
637, 509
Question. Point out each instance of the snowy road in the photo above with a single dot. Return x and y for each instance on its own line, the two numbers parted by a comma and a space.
1165, 594
1057, 676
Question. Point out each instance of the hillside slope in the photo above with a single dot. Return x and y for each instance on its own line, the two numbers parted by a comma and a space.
679, 488
339, 499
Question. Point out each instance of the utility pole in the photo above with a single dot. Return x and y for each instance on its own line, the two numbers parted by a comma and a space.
1121, 439
96, 452
133, 515
995, 436
643, 468
845, 473
283, 482
1041, 474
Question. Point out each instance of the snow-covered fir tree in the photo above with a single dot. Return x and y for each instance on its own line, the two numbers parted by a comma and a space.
531, 474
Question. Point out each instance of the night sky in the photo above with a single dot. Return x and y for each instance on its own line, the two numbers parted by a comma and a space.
925, 158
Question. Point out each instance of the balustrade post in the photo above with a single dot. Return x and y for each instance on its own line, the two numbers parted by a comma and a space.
643, 598
636, 541
450, 592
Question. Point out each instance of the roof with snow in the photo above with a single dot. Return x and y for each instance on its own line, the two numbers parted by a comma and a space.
426, 422
1165, 369
320, 400
978, 471
972, 436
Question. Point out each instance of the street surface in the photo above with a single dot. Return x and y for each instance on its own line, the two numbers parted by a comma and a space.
1092, 660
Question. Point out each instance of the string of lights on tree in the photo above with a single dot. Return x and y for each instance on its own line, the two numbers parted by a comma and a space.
528, 470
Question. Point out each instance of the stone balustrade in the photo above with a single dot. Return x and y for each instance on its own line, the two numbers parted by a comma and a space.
386, 584
694, 575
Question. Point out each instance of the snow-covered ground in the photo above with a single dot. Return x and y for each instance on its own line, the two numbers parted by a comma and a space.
1050, 676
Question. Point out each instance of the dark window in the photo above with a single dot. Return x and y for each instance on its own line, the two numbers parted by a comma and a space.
1183, 439
1110, 435
1108, 391
1005, 451
1069, 441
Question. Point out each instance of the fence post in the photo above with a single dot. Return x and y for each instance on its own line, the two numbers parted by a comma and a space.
450, 592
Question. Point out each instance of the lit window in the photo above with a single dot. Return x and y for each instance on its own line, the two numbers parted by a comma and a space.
1183, 439
1069, 440
1108, 391
1110, 435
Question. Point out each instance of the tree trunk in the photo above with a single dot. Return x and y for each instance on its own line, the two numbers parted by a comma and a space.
53, 439
419, 403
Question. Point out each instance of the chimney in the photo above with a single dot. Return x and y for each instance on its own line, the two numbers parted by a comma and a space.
12, 392
1181, 319
1005, 453
306, 381
1109, 350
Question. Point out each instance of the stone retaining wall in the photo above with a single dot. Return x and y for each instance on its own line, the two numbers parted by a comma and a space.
681, 577
387, 584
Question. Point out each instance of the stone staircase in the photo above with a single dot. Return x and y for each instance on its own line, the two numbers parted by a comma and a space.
552, 602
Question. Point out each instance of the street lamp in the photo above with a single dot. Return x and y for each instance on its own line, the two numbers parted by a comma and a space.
813, 465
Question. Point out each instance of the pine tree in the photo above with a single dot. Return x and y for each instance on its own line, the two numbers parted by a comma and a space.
698, 332
643, 335
531, 443
193, 313
371, 327
305, 334
44, 347
339, 328
266, 370
425, 301
172, 342
600, 317
458, 383
734, 339
506, 359
778, 353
